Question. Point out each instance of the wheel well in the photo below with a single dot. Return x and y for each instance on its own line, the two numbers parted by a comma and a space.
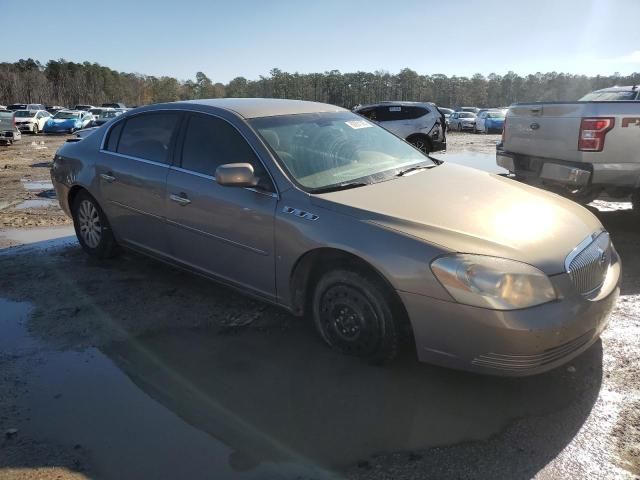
312, 265
72, 194
419, 135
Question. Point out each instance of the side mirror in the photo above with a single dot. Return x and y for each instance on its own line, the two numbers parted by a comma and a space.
236, 175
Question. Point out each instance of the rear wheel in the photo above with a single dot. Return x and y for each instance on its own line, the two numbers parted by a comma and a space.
421, 143
486, 129
353, 314
92, 227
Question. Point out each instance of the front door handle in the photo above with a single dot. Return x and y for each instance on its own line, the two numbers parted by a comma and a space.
107, 178
181, 199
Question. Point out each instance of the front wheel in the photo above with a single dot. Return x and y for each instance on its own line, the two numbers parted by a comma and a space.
36, 130
353, 314
486, 130
92, 227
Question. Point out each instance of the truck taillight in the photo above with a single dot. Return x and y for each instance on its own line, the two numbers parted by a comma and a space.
592, 133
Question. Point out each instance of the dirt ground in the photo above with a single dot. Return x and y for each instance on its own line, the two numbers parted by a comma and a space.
132, 369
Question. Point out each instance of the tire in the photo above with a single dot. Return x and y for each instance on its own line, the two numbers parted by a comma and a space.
72, 130
353, 314
486, 129
421, 143
36, 130
92, 227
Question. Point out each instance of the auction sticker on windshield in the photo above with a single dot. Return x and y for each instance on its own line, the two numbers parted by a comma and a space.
356, 124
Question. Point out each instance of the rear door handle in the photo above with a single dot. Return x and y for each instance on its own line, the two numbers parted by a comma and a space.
107, 178
181, 198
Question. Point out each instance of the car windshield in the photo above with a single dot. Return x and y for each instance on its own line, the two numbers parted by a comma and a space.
110, 114
96, 111
495, 115
322, 150
24, 113
66, 115
610, 96
466, 115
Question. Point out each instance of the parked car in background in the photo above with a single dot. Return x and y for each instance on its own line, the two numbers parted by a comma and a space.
318, 210
420, 124
468, 109
84, 108
31, 121
8, 131
577, 149
490, 121
52, 109
106, 115
25, 106
114, 105
67, 121
462, 121
97, 111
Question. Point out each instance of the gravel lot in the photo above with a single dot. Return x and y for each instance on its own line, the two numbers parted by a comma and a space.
132, 369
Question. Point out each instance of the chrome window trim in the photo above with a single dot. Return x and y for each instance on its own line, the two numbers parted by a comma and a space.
275, 194
137, 159
579, 248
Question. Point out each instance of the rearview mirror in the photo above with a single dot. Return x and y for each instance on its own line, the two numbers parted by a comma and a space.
236, 175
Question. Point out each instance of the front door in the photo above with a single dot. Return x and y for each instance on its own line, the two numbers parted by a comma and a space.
132, 176
224, 231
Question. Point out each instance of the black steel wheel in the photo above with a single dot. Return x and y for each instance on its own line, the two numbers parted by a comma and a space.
353, 314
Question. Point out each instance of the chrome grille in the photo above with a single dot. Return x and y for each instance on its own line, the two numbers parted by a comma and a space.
588, 267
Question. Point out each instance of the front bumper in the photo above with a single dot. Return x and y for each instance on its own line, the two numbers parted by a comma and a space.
25, 127
512, 343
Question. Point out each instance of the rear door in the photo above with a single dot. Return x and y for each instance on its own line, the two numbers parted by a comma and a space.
132, 173
224, 231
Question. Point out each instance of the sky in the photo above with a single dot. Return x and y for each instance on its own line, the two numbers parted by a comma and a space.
248, 38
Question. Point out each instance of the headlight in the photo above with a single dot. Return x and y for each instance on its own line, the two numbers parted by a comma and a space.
491, 282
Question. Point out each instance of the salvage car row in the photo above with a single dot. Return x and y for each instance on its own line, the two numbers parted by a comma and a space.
22, 118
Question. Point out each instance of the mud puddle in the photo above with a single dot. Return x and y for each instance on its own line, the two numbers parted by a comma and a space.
81, 400
37, 238
36, 185
36, 203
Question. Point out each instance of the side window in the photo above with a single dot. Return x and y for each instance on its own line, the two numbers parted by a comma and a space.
411, 113
370, 113
113, 136
210, 142
148, 136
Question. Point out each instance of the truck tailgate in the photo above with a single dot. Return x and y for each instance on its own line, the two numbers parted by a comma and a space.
544, 130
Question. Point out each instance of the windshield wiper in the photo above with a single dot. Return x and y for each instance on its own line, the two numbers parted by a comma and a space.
340, 186
413, 169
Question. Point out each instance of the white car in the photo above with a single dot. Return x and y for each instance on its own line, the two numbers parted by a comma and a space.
419, 123
462, 121
31, 120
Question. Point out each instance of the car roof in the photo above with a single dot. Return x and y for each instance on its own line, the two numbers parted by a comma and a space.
265, 107
628, 88
389, 103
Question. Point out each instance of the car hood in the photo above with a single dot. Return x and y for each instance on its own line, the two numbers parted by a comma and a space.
466, 210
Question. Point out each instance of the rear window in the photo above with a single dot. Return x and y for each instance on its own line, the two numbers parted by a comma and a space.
610, 96
17, 106
24, 114
398, 112
148, 136
465, 115
66, 115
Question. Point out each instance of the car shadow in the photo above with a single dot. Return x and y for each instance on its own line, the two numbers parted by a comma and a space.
271, 391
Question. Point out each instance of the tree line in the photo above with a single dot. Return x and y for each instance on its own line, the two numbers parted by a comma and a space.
59, 82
